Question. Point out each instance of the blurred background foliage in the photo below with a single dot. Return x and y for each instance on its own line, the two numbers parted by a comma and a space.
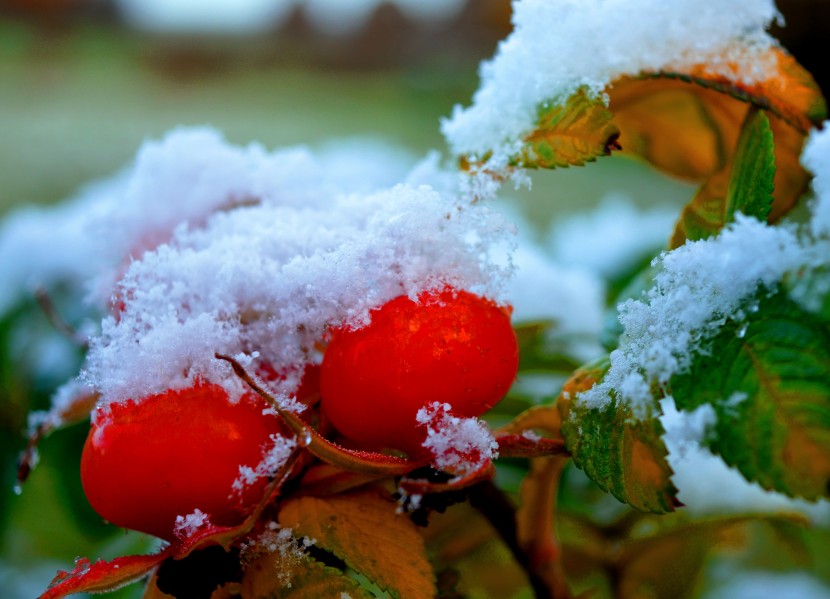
84, 82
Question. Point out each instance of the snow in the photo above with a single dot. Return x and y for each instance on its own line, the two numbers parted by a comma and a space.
612, 238
699, 286
272, 460
558, 46
707, 486
459, 445
45, 246
276, 539
190, 524
250, 253
816, 158
762, 585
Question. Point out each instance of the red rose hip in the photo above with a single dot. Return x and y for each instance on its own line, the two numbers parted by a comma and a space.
147, 462
449, 346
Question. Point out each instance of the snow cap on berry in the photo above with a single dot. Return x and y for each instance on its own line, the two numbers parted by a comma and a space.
271, 250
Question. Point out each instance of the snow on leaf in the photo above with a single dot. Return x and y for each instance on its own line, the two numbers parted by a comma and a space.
686, 122
744, 185
778, 360
624, 456
559, 46
363, 529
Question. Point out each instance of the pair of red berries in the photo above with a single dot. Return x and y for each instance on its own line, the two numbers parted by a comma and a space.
147, 462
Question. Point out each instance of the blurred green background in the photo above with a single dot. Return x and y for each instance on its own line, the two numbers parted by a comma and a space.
81, 88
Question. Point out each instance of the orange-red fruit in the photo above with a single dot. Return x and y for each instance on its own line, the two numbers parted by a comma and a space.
146, 462
448, 346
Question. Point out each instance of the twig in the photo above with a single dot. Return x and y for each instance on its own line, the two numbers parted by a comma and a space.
50, 310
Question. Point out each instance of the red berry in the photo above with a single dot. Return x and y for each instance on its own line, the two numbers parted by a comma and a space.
448, 346
147, 462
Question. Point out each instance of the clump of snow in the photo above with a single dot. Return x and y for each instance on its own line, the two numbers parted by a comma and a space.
257, 254
190, 524
706, 485
612, 238
273, 459
459, 445
816, 158
763, 585
699, 286
558, 46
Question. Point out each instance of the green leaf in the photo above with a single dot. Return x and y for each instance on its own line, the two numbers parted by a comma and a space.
570, 133
745, 184
751, 184
768, 379
624, 456
539, 350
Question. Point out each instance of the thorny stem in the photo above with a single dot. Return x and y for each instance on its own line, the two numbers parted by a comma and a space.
56, 320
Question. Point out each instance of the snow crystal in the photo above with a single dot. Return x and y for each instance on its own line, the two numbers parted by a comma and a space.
186, 526
816, 158
706, 485
275, 539
558, 46
699, 285
244, 252
613, 238
460, 445
272, 460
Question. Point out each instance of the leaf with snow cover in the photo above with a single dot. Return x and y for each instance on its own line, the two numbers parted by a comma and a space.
624, 456
744, 185
569, 134
768, 379
363, 529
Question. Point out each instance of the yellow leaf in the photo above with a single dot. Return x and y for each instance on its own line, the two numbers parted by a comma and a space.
463, 541
274, 576
683, 129
363, 529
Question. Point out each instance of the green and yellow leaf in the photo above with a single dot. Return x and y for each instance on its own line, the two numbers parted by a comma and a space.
569, 134
624, 456
768, 379
744, 185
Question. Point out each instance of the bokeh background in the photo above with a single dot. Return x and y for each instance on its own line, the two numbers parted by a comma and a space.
84, 82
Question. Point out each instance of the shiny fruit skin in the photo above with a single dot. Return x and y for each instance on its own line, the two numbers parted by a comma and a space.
146, 462
448, 346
